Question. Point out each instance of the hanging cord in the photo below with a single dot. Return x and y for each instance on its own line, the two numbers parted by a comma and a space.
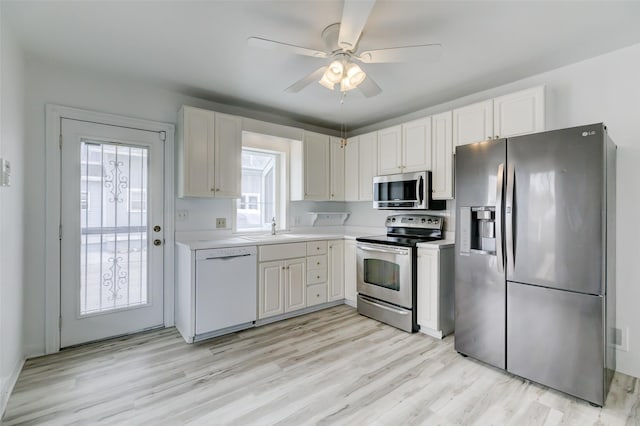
343, 125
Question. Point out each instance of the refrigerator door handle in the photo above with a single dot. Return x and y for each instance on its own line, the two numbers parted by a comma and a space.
498, 222
510, 219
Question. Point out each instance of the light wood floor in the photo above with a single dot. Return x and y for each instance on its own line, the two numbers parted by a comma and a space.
329, 367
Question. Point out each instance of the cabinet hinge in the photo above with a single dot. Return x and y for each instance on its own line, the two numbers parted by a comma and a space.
60, 141
163, 136
60, 232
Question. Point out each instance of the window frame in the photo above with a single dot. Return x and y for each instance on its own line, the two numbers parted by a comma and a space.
272, 145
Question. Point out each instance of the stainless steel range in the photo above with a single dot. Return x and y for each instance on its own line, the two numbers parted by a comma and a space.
387, 266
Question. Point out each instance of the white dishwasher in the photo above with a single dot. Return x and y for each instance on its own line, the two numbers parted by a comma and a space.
226, 288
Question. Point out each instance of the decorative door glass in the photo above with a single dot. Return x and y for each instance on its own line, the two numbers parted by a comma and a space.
113, 229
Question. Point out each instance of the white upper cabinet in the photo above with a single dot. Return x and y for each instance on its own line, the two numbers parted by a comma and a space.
310, 168
519, 113
473, 123
390, 150
405, 148
337, 173
368, 165
209, 148
351, 169
442, 170
510, 115
228, 154
416, 145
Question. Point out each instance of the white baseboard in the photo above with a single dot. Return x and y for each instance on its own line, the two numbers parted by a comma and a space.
351, 303
7, 387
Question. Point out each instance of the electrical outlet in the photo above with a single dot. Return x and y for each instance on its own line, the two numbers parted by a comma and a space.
182, 215
221, 222
620, 338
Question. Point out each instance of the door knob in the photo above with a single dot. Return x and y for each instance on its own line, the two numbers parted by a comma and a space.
157, 242
157, 228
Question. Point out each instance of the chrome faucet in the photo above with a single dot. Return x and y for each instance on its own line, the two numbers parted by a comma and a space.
273, 226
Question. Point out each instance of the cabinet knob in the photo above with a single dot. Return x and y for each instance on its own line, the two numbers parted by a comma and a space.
317, 263
497, 136
318, 295
318, 277
217, 189
283, 268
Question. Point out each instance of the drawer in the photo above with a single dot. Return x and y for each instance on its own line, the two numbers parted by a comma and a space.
316, 276
316, 294
317, 262
281, 251
316, 247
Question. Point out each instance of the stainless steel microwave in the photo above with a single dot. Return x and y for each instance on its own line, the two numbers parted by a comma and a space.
405, 191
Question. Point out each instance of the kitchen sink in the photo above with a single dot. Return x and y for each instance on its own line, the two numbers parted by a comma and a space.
270, 237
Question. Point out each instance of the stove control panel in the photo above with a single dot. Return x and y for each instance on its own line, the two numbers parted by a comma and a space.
414, 221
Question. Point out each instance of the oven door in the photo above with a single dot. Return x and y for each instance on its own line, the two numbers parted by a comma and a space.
385, 273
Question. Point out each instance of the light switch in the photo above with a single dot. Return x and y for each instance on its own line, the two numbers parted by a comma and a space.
5, 172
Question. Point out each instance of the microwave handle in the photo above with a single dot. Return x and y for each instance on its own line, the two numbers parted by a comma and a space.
419, 189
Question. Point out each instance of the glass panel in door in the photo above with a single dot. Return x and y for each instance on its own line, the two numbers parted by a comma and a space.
113, 227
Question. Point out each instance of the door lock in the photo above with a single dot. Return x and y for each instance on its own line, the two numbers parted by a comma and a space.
157, 242
156, 228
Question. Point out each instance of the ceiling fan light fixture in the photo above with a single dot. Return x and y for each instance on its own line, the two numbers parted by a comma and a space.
334, 72
355, 75
326, 82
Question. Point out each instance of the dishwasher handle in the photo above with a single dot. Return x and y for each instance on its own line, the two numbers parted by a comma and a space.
235, 256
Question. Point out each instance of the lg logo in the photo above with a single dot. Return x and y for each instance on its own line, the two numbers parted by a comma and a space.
591, 133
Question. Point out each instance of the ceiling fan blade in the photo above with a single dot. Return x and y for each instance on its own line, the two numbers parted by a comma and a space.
305, 81
354, 16
369, 87
291, 48
401, 54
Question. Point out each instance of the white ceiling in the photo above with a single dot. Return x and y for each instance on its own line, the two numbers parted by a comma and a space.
200, 47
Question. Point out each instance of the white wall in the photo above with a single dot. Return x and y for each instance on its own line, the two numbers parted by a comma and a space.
602, 89
12, 126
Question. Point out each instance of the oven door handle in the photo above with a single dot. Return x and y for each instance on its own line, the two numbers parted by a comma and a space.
378, 305
381, 250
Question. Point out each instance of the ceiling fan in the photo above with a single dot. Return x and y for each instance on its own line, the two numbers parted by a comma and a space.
341, 41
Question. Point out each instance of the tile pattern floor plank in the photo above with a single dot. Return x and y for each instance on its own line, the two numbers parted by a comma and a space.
328, 367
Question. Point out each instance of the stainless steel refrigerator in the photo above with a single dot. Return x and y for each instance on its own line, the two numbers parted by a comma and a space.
535, 257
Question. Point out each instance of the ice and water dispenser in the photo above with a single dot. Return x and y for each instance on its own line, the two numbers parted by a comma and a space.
478, 230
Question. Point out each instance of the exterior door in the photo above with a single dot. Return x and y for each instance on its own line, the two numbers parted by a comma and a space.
553, 210
111, 231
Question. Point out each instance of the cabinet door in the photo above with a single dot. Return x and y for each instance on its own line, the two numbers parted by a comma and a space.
428, 279
416, 145
351, 168
368, 166
296, 286
195, 153
350, 271
337, 169
442, 170
228, 155
271, 289
336, 270
316, 166
473, 123
390, 151
519, 113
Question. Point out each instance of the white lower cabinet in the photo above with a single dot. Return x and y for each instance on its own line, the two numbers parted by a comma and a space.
350, 272
435, 291
281, 287
336, 270
271, 289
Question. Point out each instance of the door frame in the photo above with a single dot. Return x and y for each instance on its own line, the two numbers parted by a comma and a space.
53, 116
